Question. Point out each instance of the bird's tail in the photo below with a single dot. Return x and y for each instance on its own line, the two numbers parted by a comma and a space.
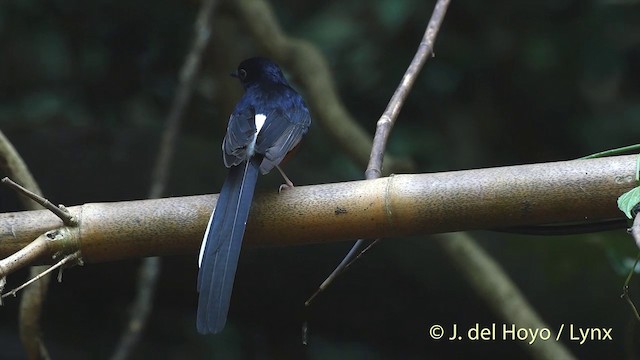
221, 246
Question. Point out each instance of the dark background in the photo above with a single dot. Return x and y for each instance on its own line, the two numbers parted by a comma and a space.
85, 87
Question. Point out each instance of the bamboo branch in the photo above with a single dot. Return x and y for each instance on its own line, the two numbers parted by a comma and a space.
33, 298
567, 191
42, 248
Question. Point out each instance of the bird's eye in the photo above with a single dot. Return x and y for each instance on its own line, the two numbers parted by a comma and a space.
242, 74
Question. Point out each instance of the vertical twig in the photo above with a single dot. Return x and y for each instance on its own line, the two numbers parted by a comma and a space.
388, 118
385, 124
150, 267
13, 166
188, 73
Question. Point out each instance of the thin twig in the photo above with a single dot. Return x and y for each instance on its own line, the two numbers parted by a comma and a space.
625, 295
342, 267
60, 210
388, 118
625, 290
385, 124
150, 268
71, 257
76, 257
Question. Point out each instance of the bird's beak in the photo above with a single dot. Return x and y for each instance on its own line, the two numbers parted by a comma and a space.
234, 74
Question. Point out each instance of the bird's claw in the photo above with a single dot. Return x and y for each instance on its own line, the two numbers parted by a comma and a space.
284, 187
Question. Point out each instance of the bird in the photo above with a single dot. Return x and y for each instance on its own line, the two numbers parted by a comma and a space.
268, 122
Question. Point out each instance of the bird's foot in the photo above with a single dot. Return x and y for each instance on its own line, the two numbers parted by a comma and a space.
285, 187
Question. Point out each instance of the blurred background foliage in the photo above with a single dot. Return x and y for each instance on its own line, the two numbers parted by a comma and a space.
85, 87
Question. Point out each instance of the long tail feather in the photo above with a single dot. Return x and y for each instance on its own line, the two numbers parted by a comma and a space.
221, 247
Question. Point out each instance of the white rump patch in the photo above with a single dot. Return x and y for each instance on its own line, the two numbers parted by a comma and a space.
260, 119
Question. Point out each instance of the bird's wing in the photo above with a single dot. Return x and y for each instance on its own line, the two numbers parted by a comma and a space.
240, 132
282, 131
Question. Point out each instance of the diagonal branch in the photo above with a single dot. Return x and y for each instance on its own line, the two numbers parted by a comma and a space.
60, 211
384, 126
188, 73
74, 258
388, 118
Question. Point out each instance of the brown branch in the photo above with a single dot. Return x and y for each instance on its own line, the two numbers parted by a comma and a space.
43, 247
61, 240
566, 191
388, 118
33, 298
71, 258
312, 72
150, 268
344, 265
384, 126
59, 211
12, 164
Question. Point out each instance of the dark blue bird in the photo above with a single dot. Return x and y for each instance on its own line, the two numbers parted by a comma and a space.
268, 122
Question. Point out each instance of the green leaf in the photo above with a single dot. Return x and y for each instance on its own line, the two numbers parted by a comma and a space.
628, 200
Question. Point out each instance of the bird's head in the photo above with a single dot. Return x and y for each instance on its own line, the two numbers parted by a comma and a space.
259, 69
